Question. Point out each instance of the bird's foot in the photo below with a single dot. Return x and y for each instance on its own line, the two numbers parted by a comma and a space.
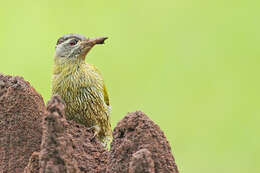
96, 130
93, 137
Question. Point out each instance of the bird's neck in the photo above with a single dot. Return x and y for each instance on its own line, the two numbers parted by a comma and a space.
67, 66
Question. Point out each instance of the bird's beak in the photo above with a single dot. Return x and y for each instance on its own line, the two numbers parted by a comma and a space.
93, 41
86, 45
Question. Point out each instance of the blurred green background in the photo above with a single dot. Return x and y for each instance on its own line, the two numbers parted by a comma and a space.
192, 66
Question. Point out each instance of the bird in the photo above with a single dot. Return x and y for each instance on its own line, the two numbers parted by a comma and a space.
81, 85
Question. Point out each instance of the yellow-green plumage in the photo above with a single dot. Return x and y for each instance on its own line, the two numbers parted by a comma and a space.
82, 88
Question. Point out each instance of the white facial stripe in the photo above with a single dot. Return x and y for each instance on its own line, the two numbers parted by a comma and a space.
64, 49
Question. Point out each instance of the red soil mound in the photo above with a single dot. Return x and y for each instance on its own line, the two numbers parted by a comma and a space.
137, 137
35, 139
21, 112
68, 146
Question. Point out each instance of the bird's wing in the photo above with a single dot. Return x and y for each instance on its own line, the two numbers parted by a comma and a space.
106, 97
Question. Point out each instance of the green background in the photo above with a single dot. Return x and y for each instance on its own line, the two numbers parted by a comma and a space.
192, 66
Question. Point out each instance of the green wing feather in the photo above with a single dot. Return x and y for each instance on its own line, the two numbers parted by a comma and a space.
106, 97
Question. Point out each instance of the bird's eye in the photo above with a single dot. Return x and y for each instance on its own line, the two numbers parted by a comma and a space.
73, 42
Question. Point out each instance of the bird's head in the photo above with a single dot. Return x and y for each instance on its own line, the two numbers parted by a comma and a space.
75, 46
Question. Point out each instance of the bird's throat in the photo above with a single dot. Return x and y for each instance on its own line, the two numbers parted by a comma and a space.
66, 66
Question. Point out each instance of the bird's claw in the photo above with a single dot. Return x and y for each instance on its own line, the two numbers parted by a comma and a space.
93, 137
96, 131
